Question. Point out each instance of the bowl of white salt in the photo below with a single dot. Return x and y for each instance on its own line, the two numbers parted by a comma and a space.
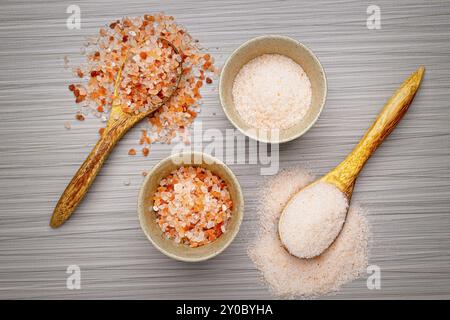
273, 88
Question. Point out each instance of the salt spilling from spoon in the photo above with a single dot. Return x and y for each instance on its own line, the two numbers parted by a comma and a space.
145, 78
285, 274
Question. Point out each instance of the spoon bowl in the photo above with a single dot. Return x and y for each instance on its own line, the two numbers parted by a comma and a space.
344, 176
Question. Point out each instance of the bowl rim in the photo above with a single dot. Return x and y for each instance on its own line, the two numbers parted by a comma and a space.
242, 47
235, 182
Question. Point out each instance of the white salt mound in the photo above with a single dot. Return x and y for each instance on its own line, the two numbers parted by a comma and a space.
272, 92
313, 219
288, 276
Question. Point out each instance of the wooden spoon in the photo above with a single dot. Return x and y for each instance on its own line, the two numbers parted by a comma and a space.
118, 124
345, 174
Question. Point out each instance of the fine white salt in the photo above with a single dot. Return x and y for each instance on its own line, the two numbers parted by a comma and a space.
288, 276
272, 92
313, 219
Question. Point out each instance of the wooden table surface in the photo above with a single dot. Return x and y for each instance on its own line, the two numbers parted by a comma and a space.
406, 186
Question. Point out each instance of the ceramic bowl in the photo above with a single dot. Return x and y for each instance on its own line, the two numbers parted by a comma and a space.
147, 216
276, 45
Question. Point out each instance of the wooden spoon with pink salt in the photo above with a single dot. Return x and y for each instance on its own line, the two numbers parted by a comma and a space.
121, 119
314, 217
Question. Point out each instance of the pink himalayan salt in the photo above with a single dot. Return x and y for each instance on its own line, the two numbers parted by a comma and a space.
148, 76
313, 219
272, 91
193, 206
288, 276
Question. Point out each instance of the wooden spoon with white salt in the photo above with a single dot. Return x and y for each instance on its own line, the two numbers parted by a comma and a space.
314, 217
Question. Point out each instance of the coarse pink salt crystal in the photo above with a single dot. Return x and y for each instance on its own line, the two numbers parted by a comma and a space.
193, 206
148, 76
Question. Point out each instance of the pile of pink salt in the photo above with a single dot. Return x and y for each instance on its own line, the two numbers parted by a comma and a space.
150, 71
288, 276
272, 91
193, 206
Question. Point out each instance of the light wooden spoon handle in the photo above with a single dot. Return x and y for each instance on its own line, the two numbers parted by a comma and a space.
345, 174
83, 178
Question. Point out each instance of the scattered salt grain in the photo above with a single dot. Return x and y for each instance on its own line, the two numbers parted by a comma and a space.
67, 125
66, 62
288, 276
272, 92
313, 219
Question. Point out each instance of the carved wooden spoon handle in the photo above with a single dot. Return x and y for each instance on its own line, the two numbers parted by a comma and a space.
345, 174
83, 178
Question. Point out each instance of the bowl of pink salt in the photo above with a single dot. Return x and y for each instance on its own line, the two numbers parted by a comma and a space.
190, 206
273, 88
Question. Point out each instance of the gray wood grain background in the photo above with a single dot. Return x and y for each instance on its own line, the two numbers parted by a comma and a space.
406, 186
